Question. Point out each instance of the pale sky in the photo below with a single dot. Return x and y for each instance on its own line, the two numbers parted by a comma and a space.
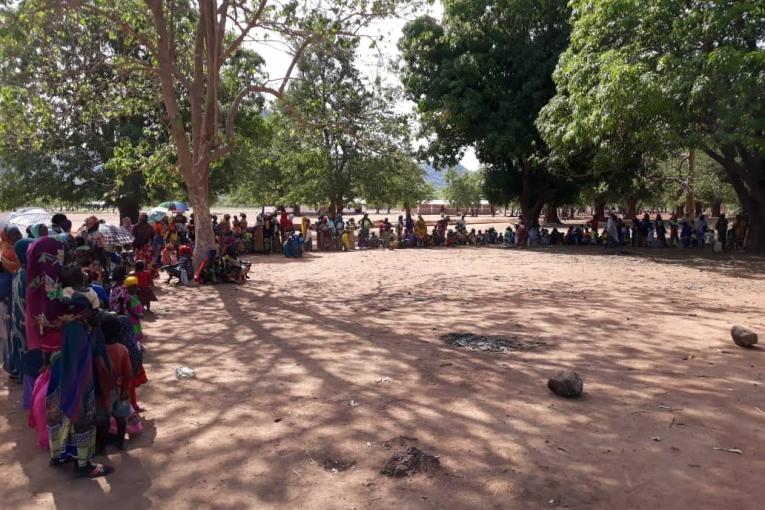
373, 62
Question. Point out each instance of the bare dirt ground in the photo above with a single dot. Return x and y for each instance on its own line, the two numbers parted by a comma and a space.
279, 360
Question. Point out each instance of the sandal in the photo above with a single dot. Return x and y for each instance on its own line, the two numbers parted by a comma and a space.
94, 471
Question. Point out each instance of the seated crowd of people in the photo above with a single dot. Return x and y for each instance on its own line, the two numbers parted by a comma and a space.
71, 310
335, 234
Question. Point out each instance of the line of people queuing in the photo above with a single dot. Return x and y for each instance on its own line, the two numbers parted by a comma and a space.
653, 233
71, 310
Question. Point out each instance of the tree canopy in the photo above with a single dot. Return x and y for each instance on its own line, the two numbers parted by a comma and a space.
178, 52
666, 76
479, 77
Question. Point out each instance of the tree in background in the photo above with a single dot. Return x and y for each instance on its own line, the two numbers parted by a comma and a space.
464, 190
334, 139
394, 180
667, 76
181, 49
479, 77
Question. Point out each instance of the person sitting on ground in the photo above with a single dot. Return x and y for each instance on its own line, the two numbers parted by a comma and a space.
374, 241
289, 247
472, 237
409, 240
235, 270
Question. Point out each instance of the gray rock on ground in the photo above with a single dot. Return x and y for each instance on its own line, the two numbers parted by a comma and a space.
743, 337
566, 384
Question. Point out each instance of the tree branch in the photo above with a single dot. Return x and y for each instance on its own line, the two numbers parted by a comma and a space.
231, 48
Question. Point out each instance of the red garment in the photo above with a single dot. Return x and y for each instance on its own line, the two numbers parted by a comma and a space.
122, 371
139, 379
144, 279
284, 222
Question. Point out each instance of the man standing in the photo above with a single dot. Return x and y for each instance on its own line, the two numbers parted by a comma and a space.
722, 229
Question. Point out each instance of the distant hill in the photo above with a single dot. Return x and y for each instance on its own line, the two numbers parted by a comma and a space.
436, 177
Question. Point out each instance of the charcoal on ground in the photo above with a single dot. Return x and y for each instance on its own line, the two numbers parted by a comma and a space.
335, 465
489, 343
410, 462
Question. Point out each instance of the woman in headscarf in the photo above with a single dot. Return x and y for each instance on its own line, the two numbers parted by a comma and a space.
38, 230
29, 361
420, 231
10, 263
257, 235
143, 235
8, 238
71, 352
305, 231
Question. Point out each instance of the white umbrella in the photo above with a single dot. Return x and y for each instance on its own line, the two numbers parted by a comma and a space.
29, 216
157, 214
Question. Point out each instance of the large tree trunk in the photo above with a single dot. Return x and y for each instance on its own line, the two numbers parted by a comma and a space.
600, 210
199, 193
631, 209
551, 215
716, 208
129, 207
531, 211
745, 170
689, 198
296, 209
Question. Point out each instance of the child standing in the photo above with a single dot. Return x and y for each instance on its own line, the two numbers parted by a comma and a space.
121, 380
167, 254
145, 293
75, 289
133, 308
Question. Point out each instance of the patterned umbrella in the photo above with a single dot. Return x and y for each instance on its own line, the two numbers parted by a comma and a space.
5, 219
175, 206
115, 235
29, 216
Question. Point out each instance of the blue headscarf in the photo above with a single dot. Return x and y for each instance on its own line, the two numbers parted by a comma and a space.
21, 247
34, 230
